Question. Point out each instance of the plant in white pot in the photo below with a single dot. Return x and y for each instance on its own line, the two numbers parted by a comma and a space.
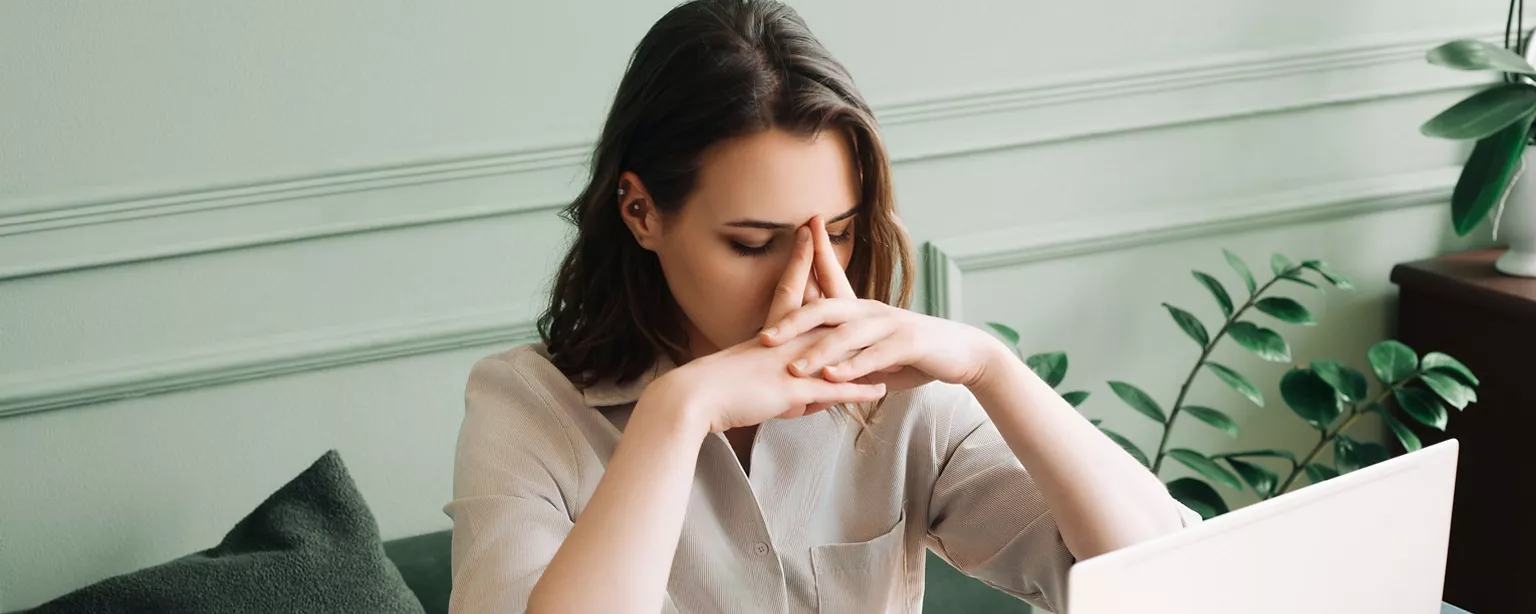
1499, 119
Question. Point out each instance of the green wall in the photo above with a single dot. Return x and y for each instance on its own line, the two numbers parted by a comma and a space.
235, 235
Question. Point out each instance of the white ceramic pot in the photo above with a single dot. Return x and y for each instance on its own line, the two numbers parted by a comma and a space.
1517, 226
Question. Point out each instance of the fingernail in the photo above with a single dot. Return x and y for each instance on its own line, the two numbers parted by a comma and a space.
771, 331
803, 234
799, 365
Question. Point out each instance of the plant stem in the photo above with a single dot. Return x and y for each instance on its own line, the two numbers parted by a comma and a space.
1178, 402
1354, 414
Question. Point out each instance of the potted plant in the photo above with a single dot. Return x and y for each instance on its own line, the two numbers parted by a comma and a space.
1329, 395
1499, 119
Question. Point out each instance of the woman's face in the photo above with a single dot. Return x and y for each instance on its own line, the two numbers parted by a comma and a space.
724, 251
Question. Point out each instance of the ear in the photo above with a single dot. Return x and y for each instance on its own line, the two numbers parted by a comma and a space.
638, 211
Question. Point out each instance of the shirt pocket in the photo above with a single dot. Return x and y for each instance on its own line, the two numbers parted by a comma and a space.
868, 576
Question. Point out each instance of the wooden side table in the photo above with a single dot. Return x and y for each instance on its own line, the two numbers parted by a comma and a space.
1458, 304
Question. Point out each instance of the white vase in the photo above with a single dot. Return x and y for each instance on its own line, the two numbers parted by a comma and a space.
1517, 225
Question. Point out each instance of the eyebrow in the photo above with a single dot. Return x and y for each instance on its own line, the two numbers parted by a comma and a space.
766, 225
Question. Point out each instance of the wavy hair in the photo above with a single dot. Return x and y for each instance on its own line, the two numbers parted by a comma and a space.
707, 71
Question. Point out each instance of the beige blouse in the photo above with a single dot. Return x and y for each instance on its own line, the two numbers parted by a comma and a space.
833, 518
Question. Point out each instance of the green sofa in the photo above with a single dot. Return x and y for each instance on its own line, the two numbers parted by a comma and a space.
423, 561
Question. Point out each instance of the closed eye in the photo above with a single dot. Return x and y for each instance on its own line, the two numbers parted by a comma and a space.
744, 249
751, 250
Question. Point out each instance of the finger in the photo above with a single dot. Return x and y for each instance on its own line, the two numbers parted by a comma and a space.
788, 294
824, 312
815, 391
844, 341
878, 358
812, 289
801, 411
829, 272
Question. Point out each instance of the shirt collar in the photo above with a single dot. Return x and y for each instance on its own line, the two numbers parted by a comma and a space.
607, 392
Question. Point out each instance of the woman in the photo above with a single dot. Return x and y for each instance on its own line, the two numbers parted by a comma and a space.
735, 272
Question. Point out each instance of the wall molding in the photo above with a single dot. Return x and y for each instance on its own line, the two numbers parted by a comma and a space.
1172, 76
945, 262
216, 218
46, 217
26, 393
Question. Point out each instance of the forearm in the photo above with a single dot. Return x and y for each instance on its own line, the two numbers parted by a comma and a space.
618, 555
1102, 498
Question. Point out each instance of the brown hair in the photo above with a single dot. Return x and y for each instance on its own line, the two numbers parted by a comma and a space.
707, 71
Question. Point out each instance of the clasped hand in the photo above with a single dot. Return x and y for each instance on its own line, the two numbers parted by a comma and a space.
822, 345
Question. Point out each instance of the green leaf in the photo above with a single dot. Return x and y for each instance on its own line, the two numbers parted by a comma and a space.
1484, 113
1242, 270
1217, 290
1237, 382
1350, 455
1190, 324
1076, 397
1285, 310
1339, 280
1310, 397
1007, 333
1436, 361
1280, 265
1300, 280
1455, 393
1139, 401
1318, 472
1125, 444
1392, 361
1212, 417
1405, 435
1346, 379
1050, 366
1274, 453
1263, 342
1205, 466
1421, 406
1489, 173
1472, 54
1198, 496
1258, 477
1095, 421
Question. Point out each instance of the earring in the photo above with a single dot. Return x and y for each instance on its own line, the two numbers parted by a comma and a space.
634, 208
621, 191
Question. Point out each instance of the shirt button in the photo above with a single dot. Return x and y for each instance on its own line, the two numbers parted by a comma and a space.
760, 548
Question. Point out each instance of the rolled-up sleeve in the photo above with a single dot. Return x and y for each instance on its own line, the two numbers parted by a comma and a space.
987, 517
514, 473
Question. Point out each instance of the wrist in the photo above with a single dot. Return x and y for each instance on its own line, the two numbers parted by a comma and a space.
671, 403
998, 365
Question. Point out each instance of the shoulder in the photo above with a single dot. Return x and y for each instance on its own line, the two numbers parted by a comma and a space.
519, 420
519, 375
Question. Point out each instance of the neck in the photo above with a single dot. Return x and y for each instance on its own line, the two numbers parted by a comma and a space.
698, 346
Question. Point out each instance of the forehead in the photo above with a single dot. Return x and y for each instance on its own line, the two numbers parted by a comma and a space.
778, 177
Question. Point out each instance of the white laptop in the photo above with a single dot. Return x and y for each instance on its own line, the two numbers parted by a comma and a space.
1373, 540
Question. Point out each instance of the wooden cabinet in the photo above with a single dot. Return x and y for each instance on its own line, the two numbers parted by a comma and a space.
1458, 304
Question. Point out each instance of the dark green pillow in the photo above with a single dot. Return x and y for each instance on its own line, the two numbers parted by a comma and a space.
311, 547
